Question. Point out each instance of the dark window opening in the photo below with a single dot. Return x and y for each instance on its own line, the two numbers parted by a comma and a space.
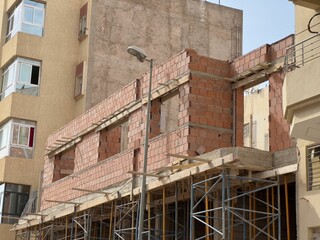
35, 75
63, 164
113, 140
79, 80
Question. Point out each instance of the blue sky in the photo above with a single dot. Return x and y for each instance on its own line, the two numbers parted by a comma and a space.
264, 21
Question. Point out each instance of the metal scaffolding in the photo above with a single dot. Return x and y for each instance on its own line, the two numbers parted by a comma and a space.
233, 205
219, 206
161, 221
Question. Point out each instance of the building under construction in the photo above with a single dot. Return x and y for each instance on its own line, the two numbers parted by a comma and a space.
201, 182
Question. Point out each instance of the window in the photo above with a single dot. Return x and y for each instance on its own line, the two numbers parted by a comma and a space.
79, 80
3, 137
22, 76
17, 138
313, 167
13, 198
113, 139
22, 135
27, 17
169, 112
83, 21
64, 164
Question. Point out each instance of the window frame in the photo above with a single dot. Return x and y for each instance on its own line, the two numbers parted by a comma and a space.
313, 158
6, 192
18, 15
79, 80
14, 80
14, 149
83, 22
21, 125
4, 137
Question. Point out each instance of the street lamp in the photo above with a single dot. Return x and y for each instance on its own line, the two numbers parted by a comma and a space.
141, 56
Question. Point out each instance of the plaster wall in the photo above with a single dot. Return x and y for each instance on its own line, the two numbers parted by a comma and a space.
59, 52
162, 29
256, 106
301, 91
308, 212
5, 231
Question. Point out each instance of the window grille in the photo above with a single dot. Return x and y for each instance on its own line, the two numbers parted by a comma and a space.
313, 167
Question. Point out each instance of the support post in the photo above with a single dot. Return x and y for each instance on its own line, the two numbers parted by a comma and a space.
164, 213
191, 209
206, 207
287, 206
279, 207
176, 212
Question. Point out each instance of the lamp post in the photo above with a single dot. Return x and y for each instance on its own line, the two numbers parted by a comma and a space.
140, 55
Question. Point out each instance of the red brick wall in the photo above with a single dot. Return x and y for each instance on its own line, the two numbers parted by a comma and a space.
63, 161
279, 128
109, 142
205, 119
279, 137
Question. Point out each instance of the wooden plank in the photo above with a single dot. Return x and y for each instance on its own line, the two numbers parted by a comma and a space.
169, 86
146, 174
91, 191
64, 202
121, 114
275, 172
64, 147
66, 171
177, 167
189, 158
256, 78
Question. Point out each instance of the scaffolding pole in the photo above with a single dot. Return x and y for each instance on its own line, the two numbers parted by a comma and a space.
229, 215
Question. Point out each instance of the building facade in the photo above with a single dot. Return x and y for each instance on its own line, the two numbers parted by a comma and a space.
301, 96
57, 62
93, 165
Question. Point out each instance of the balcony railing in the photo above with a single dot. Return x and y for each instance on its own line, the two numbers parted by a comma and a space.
303, 52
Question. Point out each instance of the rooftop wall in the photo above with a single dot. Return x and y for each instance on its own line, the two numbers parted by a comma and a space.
162, 29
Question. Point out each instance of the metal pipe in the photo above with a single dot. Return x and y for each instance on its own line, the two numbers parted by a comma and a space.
273, 222
149, 210
287, 206
164, 213
145, 160
228, 206
234, 118
268, 211
206, 207
250, 213
176, 211
223, 206
279, 209
191, 209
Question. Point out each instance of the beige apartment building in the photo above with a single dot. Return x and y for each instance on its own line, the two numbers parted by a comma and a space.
57, 62
301, 102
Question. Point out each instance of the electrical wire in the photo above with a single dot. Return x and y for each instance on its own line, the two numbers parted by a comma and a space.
309, 23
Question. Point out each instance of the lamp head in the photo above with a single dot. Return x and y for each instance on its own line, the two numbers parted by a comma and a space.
137, 52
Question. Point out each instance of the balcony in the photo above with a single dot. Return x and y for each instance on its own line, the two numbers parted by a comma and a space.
313, 4
10, 170
301, 89
18, 105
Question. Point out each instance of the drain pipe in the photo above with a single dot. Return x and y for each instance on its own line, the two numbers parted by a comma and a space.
234, 118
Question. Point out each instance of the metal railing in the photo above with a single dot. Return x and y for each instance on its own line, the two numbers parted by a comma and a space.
301, 53
313, 167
